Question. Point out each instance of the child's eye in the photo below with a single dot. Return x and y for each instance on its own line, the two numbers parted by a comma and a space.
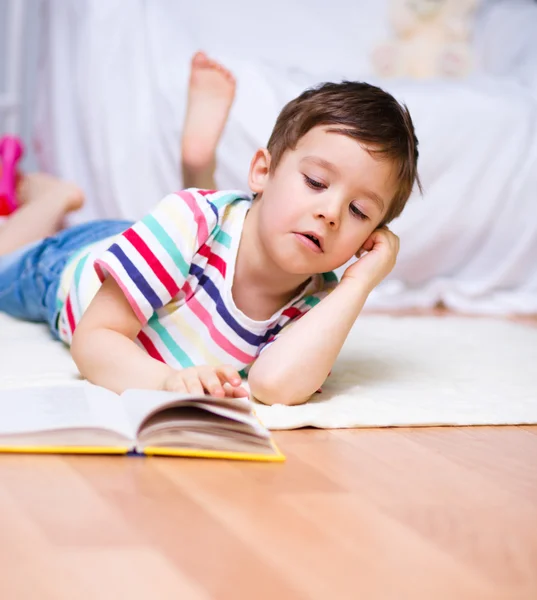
358, 213
312, 183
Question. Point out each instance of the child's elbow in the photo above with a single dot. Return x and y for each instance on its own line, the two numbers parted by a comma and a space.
76, 344
77, 348
271, 392
86, 349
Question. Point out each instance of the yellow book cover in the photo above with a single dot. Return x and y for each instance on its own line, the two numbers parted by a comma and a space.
83, 418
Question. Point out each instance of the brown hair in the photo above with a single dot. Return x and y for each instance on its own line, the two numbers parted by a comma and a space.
361, 111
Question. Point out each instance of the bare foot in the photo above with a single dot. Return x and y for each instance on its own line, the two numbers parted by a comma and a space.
41, 187
44, 202
210, 96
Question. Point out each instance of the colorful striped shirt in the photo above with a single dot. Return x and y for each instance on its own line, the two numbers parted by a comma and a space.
176, 268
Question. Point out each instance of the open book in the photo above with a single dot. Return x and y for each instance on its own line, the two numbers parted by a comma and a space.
88, 419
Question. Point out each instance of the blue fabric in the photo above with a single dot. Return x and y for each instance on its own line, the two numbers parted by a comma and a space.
30, 276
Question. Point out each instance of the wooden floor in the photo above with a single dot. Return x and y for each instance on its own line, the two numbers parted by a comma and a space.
428, 513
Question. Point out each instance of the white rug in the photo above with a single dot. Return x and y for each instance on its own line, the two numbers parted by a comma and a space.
393, 371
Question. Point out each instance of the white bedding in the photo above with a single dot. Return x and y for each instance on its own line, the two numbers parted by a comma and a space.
391, 371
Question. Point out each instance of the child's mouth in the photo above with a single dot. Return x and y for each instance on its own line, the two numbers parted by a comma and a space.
310, 241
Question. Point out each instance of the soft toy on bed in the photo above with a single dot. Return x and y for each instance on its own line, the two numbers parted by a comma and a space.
432, 39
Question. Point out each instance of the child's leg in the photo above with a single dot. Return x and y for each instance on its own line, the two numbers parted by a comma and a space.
45, 200
210, 96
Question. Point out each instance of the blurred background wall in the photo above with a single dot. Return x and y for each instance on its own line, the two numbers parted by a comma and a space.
102, 89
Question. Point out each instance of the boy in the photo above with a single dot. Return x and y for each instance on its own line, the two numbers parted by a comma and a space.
210, 284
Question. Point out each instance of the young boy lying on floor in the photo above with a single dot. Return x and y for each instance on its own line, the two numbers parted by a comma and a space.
212, 284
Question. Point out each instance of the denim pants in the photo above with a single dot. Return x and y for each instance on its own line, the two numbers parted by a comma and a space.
30, 276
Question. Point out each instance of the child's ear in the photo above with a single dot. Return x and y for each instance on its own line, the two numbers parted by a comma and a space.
259, 171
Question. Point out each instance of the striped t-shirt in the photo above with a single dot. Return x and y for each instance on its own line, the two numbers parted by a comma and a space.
176, 267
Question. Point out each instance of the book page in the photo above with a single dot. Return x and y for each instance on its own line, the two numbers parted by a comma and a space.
53, 408
205, 440
140, 404
110, 410
198, 418
195, 428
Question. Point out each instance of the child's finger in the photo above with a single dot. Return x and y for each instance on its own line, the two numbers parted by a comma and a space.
211, 382
235, 392
175, 384
240, 392
229, 374
369, 243
193, 383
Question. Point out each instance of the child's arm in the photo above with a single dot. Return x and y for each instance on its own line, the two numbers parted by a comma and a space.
295, 365
103, 345
104, 351
142, 271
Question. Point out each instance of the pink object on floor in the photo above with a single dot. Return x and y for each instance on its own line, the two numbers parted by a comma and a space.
11, 151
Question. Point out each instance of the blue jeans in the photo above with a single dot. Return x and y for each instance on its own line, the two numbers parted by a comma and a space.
30, 276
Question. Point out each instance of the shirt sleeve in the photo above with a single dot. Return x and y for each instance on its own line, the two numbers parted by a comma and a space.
151, 260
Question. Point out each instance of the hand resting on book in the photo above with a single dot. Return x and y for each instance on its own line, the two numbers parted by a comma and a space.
221, 381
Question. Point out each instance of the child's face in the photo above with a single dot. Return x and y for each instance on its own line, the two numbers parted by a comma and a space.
328, 187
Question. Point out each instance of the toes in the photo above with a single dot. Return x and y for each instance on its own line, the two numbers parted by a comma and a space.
225, 72
200, 59
211, 64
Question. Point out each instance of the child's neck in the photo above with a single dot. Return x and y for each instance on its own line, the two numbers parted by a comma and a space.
260, 288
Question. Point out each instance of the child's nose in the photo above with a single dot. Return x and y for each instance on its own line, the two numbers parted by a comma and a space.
330, 211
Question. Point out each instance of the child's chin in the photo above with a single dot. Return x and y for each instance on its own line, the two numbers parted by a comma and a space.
300, 269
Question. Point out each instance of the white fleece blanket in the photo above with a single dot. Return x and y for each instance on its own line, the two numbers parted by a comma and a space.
392, 371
